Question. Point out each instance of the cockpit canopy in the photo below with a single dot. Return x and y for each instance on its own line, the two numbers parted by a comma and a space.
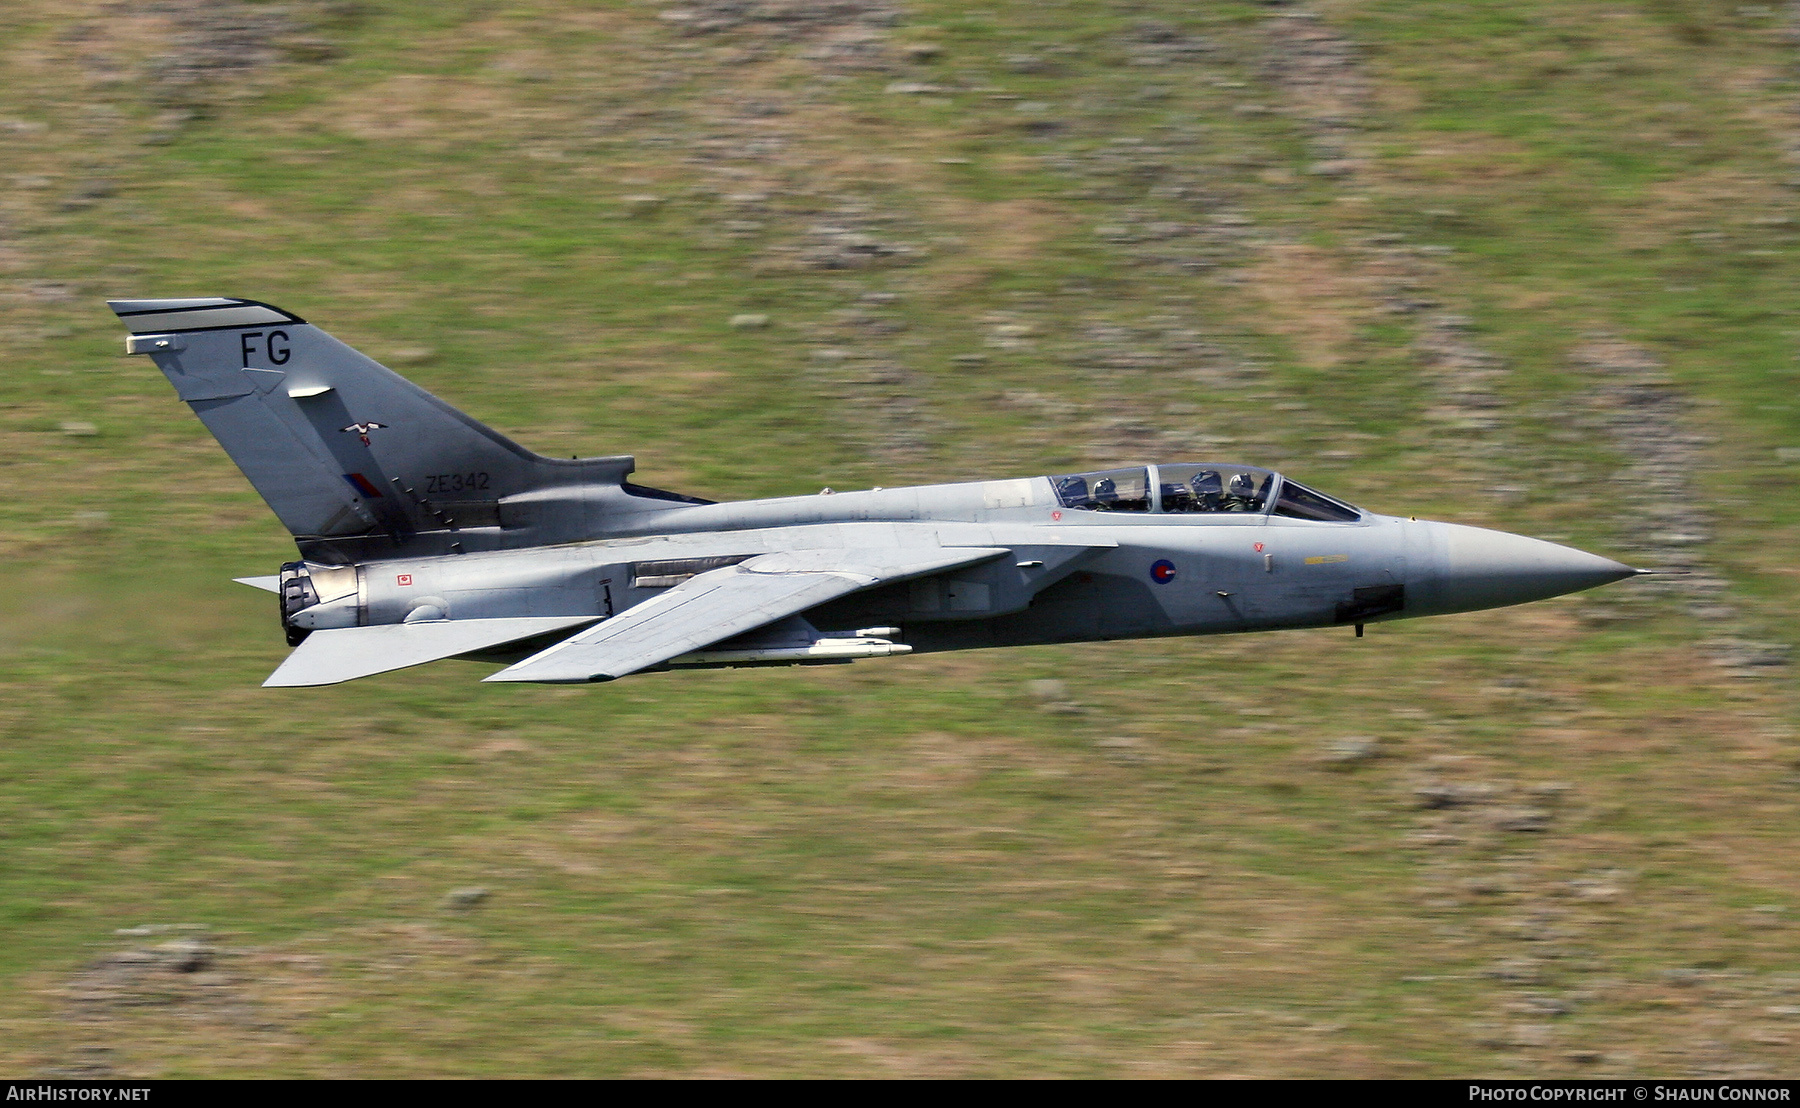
1199, 487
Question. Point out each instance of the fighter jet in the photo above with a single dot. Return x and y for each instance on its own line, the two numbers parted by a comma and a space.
425, 535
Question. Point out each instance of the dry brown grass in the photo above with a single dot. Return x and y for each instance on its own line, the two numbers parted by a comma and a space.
1318, 300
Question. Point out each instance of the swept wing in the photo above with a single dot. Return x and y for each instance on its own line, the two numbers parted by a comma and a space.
723, 603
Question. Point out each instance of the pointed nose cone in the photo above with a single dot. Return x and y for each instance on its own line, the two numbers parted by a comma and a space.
1476, 568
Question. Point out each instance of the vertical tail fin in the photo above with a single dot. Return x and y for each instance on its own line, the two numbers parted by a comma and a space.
354, 459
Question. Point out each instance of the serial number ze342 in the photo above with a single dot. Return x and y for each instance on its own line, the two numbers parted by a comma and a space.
455, 482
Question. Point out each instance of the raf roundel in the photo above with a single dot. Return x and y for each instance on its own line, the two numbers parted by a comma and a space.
1162, 571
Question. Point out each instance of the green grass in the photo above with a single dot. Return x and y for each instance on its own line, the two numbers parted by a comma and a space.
907, 867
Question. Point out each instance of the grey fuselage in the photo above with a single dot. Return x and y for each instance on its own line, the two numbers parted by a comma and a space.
1073, 574
426, 535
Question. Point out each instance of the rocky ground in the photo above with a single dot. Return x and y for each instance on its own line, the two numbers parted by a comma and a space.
774, 245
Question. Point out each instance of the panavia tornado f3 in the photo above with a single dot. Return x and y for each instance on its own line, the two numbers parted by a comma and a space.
426, 535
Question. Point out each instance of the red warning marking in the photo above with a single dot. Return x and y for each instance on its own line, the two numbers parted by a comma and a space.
1259, 548
1057, 516
403, 579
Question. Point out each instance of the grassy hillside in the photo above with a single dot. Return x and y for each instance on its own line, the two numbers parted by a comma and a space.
1526, 264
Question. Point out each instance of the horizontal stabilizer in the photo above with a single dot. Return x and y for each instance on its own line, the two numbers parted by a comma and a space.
724, 603
345, 653
266, 584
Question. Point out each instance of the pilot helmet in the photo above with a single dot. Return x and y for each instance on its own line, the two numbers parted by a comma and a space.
1207, 480
1104, 489
1243, 485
